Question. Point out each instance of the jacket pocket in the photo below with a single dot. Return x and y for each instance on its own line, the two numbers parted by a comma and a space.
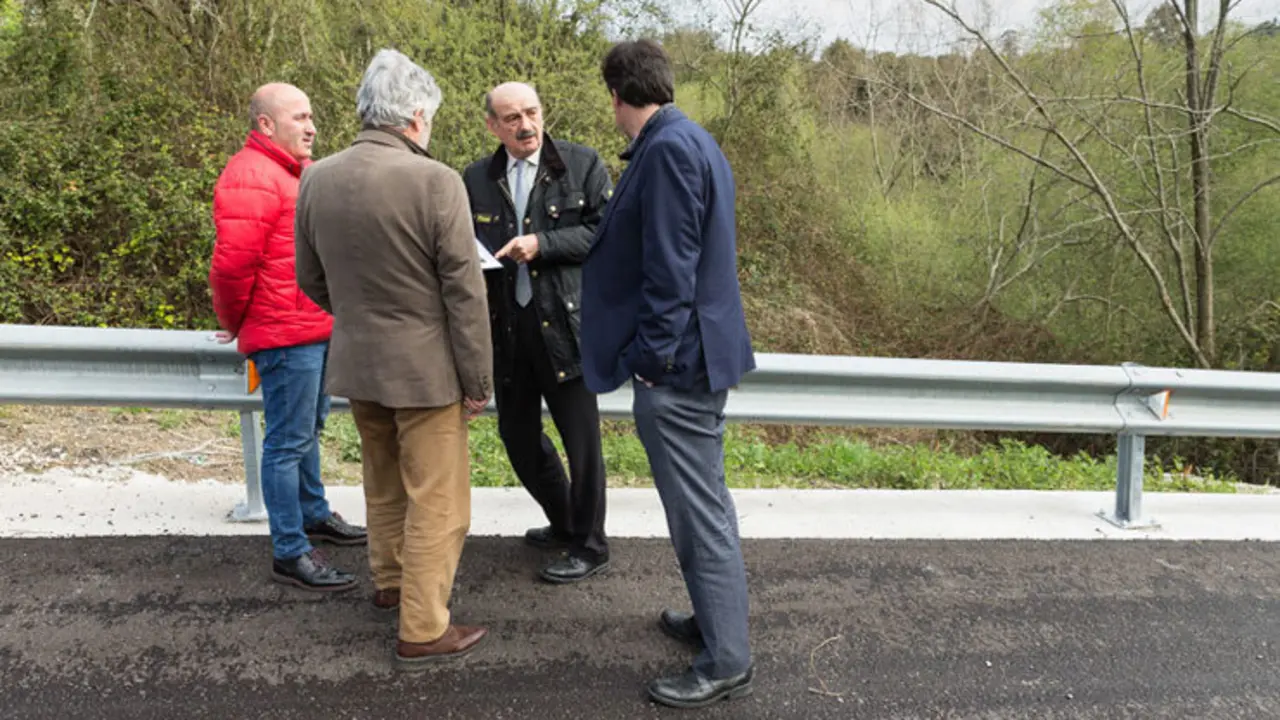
565, 209
489, 228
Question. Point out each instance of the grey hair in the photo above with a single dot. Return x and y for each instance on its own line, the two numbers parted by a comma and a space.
393, 89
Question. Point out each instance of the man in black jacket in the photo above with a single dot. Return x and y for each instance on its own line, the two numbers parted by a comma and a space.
536, 203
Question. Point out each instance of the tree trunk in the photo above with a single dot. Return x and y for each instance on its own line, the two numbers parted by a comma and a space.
1198, 106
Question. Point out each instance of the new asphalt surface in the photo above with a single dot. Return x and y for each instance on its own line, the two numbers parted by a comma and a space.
186, 627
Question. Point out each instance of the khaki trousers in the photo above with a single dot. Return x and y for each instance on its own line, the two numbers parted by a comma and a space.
417, 490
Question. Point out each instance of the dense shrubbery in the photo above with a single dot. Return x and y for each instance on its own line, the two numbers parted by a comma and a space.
868, 224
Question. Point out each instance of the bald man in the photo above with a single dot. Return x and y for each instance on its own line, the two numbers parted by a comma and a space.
536, 203
286, 335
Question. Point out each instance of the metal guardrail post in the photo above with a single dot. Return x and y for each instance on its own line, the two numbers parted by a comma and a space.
1131, 458
252, 509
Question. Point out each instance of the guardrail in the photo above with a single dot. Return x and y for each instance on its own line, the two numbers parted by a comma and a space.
189, 369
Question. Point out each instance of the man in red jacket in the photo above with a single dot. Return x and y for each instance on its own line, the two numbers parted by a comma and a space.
258, 304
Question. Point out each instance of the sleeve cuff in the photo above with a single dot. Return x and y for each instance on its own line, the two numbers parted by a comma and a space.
649, 365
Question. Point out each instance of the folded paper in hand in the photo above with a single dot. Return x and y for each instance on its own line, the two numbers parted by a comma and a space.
487, 260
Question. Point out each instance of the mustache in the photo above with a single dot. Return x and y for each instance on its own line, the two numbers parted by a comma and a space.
525, 134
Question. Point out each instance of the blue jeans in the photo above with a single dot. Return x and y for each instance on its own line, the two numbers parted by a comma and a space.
295, 408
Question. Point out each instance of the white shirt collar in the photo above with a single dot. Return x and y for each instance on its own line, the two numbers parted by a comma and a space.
532, 159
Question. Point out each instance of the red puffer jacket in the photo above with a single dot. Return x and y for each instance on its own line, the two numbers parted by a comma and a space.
255, 290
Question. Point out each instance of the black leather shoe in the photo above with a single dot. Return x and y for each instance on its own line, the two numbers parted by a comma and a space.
691, 690
337, 531
572, 568
682, 627
311, 571
546, 538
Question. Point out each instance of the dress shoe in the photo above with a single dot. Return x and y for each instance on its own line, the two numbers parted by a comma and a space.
682, 626
311, 571
337, 531
546, 538
387, 599
458, 640
572, 568
691, 690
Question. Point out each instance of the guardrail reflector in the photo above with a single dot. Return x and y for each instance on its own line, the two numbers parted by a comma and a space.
1158, 404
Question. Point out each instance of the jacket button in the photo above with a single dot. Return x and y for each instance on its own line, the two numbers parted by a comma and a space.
533, 273
560, 374
569, 305
546, 324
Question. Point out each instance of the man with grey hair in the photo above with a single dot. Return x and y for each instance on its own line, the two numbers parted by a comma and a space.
384, 242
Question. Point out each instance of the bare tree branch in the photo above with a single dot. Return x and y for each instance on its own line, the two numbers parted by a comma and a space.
1217, 50
1264, 122
1222, 221
1107, 99
1160, 193
1006, 144
1094, 182
1070, 298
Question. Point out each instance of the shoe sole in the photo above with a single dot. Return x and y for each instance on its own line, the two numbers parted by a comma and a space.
556, 580
695, 642
734, 694
317, 539
418, 664
286, 580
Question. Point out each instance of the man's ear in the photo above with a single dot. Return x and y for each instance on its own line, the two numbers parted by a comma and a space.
266, 125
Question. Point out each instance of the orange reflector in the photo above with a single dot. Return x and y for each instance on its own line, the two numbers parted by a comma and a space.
254, 380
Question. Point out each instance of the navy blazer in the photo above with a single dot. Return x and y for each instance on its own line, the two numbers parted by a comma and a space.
660, 293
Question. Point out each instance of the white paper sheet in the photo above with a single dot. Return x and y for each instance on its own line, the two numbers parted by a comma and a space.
487, 260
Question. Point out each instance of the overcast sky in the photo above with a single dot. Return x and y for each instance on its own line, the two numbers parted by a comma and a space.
895, 24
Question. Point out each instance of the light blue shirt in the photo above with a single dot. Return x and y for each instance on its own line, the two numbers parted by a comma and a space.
529, 173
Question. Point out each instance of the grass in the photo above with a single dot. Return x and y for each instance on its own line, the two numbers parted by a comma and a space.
830, 460
755, 457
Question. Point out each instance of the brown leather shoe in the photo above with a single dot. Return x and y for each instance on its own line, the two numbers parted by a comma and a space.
457, 641
387, 599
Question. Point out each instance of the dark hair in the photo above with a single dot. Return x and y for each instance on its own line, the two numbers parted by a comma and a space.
640, 73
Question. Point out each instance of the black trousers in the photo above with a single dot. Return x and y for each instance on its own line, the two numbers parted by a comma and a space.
574, 505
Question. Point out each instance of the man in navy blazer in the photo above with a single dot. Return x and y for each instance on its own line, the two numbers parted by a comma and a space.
661, 306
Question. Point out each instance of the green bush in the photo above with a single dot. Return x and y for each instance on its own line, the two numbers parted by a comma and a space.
866, 224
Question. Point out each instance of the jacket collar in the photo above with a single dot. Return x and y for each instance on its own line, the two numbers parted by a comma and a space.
265, 145
550, 159
389, 138
665, 115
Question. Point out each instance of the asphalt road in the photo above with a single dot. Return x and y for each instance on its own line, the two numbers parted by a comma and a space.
183, 627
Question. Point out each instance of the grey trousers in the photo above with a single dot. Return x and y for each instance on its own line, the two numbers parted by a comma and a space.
683, 435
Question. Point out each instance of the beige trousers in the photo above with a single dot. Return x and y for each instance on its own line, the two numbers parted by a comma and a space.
417, 490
